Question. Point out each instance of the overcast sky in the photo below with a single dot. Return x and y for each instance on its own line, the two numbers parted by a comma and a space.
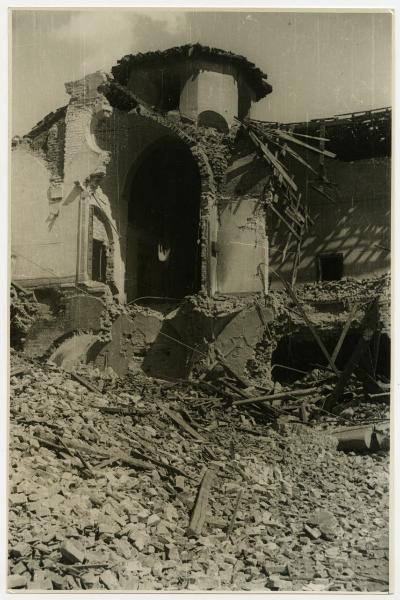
319, 64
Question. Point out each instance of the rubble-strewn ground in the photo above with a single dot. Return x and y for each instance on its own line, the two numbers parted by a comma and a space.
103, 500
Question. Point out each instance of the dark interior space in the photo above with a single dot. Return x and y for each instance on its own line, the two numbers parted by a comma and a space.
164, 212
210, 118
330, 267
383, 359
99, 261
170, 90
297, 353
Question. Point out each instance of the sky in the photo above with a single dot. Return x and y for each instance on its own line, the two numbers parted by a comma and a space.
319, 64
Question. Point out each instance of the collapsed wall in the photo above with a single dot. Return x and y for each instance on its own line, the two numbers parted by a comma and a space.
134, 165
256, 338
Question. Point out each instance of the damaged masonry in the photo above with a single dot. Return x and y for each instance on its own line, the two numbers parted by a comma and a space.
198, 290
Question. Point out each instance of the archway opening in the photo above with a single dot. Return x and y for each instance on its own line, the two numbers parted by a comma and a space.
163, 250
210, 118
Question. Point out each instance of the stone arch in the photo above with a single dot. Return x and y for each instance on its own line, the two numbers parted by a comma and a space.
210, 118
163, 222
207, 188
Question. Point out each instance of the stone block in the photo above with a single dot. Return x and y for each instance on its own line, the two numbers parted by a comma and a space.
71, 553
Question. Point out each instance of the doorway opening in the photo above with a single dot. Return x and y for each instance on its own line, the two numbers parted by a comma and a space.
99, 261
100, 242
330, 267
163, 249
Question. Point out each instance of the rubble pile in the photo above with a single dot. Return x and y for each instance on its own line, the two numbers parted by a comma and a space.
343, 293
23, 311
139, 484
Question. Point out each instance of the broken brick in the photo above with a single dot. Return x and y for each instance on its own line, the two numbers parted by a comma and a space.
71, 553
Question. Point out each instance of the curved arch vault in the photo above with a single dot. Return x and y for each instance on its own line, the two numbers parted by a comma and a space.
163, 250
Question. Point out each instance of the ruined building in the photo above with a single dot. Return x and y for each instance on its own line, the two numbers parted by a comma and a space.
151, 214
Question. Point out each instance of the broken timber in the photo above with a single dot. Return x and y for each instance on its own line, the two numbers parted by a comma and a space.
200, 509
295, 393
85, 383
235, 510
60, 446
311, 327
345, 331
174, 416
369, 325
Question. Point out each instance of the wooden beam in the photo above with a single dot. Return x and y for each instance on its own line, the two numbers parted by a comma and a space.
272, 159
200, 508
311, 327
282, 218
345, 331
368, 329
235, 510
176, 417
270, 397
296, 263
83, 381
287, 136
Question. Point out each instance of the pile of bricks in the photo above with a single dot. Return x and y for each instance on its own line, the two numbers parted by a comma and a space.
103, 483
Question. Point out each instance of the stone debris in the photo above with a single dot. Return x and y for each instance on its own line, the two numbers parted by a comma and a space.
71, 553
103, 500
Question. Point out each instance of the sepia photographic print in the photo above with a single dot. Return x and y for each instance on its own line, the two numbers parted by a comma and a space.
199, 275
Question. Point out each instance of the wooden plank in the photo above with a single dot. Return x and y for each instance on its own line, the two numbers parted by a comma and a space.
296, 263
308, 323
381, 397
345, 331
83, 381
200, 508
284, 148
311, 137
272, 159
235, 510
20, 288
287, 136
176, 417
294, 214
297, 220
160, 463
368, 329
320, 191
270, 397
68, 446
122, 410
307, 216
234, 389
282, 218
286, 248
300, 159
53, 443
19, 371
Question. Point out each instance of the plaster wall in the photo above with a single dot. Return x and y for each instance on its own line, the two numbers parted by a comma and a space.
242, 249
210, 88
43, 229
126, 137
356, 223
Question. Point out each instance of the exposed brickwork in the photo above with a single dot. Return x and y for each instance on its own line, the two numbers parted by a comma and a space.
48, 142
100, 145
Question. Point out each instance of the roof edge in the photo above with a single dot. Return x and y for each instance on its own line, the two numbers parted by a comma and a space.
254, 76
